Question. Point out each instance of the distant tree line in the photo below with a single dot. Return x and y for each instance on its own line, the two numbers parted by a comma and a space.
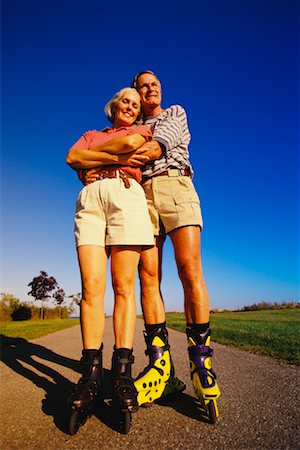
267, 306
11, 308
261, 306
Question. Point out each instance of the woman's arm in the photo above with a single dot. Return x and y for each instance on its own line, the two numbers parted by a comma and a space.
104, 154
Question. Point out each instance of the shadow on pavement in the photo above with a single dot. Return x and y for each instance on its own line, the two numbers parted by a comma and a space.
184, 404
19, 355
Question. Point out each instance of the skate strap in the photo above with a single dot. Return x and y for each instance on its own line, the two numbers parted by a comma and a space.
124, 382
96, 361
125, 360
82, 385
200, 350
152, 349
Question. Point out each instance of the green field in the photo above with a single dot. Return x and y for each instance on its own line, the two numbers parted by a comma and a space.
31, 329
273, 333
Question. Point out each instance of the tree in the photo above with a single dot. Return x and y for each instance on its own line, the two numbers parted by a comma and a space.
8, 304
59, 296
41, 287
76, 298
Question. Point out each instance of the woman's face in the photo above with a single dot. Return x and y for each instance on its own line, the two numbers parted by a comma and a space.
127, 109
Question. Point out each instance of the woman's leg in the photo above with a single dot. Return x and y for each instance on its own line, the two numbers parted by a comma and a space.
124, 262
92, 262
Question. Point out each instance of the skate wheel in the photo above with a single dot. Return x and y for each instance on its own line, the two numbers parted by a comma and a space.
125, 422
212, 411
76, 421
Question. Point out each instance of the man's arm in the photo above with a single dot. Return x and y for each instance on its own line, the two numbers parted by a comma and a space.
103, 154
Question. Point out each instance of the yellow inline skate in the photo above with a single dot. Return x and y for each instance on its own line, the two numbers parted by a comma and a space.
202, 375
157, 379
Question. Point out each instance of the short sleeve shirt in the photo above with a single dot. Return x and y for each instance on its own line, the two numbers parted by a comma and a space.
93, 138
170, 128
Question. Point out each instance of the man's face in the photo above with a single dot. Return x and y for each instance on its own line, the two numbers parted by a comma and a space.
149, 89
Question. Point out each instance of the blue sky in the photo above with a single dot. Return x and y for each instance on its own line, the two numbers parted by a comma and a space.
231, 64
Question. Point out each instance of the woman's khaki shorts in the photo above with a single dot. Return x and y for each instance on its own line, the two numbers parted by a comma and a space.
172, 202
108, 213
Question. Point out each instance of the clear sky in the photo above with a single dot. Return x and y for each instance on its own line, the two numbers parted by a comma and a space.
231, 64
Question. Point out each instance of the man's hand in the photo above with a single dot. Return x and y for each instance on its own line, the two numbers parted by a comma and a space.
150, 149
135, 159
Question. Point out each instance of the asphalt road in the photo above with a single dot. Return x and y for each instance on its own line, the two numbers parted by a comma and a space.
259, 405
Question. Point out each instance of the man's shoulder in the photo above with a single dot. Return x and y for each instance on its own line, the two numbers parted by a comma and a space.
174, 111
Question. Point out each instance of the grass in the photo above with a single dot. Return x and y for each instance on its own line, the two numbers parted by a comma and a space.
31, 329
274, 333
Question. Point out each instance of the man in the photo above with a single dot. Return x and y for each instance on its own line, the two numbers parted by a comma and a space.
174, 208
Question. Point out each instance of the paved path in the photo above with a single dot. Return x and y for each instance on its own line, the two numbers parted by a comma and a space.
259, 406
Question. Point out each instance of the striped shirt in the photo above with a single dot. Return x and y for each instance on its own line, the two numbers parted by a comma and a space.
169, 128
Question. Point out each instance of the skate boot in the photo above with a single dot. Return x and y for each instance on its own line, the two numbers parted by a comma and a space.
157, 379
124, 396
85, 395
202, 375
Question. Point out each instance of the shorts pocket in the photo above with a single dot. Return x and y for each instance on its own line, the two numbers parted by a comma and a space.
186, 197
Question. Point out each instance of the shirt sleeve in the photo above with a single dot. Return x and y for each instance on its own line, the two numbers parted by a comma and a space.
143, 130
85, 141
169, 131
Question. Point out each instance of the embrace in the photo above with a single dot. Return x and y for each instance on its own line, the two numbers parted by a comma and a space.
138, 189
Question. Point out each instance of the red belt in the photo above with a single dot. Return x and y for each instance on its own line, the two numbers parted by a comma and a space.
115, 173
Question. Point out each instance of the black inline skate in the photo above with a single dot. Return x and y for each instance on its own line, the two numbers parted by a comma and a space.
86, 394
124, 396
157, 379
202, 374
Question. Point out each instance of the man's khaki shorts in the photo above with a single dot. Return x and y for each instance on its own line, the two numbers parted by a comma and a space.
108, 213
172, 202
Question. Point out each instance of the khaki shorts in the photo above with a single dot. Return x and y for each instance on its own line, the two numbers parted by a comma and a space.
108, 213
172, 202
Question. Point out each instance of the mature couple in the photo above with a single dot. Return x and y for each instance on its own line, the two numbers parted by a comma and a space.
141, 187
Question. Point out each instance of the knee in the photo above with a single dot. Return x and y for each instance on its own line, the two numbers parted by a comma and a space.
190, 271
148, 274
93, 290
123, 288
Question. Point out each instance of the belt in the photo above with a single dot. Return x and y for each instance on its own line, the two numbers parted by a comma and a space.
115, 173
170, 173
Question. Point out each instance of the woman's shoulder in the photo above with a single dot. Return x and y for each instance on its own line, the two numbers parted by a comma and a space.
144, 130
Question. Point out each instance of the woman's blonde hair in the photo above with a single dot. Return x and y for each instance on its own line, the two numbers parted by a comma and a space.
110, 106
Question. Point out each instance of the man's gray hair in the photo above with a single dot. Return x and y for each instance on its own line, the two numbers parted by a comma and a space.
110, 106
134, 83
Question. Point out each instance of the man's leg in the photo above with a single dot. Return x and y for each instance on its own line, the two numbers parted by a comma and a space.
157, 378
150, 278
186, 242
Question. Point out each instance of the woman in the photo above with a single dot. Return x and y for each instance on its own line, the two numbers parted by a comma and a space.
111, 217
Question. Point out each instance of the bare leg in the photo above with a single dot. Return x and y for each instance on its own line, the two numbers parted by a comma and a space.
186, 242
124, 262
150, 277
92, 261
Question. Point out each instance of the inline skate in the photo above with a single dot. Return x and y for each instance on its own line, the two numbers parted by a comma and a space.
86, 394
202, 375
124, 397
157, 379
